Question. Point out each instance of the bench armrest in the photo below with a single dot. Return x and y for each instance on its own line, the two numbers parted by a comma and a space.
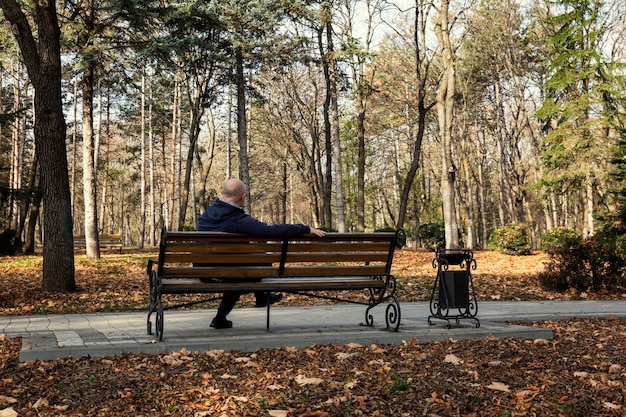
151, 262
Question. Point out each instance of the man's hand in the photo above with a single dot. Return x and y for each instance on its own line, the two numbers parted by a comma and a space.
317, 232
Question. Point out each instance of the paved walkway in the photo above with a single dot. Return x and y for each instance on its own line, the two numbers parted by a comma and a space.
104, 334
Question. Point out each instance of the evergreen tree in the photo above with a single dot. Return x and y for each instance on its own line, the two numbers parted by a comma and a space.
575, 142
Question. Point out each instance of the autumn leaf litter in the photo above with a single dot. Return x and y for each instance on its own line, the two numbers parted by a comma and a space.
579, 372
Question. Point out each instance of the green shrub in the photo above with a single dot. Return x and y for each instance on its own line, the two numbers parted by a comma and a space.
10, 243
588, 264
557, 237
511, 239
432, 235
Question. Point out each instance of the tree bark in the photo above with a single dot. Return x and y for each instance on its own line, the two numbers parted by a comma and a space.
43, 63
34, 208
242, 128
445, 110
334, 122
89, 175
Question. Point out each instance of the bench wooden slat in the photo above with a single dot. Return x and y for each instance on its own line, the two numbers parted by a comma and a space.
240, 259
179, 286
362, 257
273, 271
105, 241
221, 272
214, 237
210, 247
341, 246
337, 270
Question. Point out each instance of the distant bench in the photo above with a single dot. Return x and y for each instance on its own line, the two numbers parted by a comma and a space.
112, 242
214, 262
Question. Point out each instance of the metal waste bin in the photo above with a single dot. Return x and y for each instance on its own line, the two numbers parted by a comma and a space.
453, 296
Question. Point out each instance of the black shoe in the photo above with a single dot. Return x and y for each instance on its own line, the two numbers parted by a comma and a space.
221, 323
270, 299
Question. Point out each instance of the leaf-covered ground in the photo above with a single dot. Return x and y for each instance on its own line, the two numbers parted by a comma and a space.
580, 372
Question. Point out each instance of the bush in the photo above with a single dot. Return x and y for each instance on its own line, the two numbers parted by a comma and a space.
585, 265
557, 237
511, 239
432, 235
10, 243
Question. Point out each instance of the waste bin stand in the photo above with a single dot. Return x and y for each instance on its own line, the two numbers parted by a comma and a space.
453, 296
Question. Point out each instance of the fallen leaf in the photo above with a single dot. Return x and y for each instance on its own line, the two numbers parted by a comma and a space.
42, 402
278, 413
498, 386
453, 359
303, 380
344, 355
241, 399
4, 400
8, 412
615, 369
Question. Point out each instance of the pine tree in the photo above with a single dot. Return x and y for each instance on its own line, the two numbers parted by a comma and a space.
574, 144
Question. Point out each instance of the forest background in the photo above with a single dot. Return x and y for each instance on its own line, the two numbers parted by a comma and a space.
348, 115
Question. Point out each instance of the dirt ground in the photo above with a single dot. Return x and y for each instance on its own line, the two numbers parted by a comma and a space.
580, 372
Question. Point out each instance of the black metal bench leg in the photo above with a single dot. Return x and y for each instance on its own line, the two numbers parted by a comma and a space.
267, 325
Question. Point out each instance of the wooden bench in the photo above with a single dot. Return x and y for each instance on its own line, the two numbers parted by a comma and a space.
214, 262
112, 242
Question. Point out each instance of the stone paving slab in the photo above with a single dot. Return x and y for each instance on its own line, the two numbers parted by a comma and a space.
48, 337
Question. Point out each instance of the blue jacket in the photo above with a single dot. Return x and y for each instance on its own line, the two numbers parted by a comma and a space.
224, 217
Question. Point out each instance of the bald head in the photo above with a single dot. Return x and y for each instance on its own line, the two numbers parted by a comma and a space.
234, 190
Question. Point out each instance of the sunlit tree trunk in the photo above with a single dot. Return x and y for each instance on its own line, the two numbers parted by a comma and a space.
445, 110
89, 175
152, 237
142, 174
172, 200
17, 161
334, 123
242, 127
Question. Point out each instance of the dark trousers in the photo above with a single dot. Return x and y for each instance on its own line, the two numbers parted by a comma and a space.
230, 298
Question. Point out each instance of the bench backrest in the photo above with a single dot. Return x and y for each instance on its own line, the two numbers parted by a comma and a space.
227, 255
103, 239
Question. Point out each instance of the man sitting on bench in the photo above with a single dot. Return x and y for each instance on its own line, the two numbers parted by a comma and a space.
227, 215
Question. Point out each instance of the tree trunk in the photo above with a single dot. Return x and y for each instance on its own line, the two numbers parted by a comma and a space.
34, 207
360, 199
43, 62
445, 110
89, 178
589, 191
142, 208
151, 165
197, 112
327, 180
334, 122
174, 153
242, 128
